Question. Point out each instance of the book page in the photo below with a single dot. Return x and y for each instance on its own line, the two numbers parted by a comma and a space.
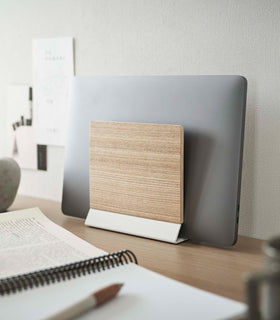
29, 242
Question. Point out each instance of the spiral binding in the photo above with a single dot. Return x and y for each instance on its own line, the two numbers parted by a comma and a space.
66, 272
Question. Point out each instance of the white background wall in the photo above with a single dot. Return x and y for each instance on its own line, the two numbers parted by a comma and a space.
160, 37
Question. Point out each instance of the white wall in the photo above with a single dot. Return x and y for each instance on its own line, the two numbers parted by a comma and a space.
160, 37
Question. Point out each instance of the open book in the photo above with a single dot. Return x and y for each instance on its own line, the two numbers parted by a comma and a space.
31, 243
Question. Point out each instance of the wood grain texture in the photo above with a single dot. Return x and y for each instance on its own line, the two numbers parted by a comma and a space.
218, 270
137, 169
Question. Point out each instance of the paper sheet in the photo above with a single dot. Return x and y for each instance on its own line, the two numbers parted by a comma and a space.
53, 67
27, 147
145, 295
29, 241
21, 143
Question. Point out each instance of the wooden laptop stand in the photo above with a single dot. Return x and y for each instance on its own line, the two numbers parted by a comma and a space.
136, 179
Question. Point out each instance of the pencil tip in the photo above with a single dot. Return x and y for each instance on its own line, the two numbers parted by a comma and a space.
107, 293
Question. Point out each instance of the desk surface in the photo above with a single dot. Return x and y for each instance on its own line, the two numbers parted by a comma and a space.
218, 270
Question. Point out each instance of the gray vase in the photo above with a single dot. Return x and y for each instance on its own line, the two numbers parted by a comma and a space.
9, 182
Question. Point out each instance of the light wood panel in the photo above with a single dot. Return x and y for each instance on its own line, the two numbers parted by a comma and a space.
218, 270
137, 169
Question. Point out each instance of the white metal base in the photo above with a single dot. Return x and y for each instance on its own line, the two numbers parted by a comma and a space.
148, 228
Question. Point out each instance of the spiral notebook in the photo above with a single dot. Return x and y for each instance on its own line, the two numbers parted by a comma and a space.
44, 269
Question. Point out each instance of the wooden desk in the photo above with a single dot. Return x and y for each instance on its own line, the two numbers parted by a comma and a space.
219, 270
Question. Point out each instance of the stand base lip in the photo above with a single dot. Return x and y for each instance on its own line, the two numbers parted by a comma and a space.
178, 241
137, 226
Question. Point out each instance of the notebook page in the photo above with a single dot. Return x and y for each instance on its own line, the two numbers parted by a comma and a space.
145, 295
29, 241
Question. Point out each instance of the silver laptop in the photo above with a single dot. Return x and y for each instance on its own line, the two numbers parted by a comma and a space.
212, 111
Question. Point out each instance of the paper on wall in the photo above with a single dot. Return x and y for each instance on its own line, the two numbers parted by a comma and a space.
21, 143
53, 67
27, 147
